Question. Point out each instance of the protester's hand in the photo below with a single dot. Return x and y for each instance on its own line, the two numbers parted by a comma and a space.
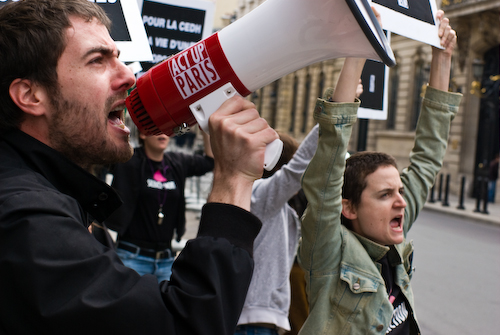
447, 36
441, 58
359, 89
238, 136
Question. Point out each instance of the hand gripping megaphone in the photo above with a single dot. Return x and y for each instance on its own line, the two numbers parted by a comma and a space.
275, 39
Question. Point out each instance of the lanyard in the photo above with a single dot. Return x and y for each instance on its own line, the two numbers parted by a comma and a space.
159, 175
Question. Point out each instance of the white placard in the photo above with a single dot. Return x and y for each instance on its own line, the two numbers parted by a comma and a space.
415, 19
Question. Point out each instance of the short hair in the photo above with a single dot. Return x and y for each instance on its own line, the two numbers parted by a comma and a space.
32, 39
290, 145
358, 167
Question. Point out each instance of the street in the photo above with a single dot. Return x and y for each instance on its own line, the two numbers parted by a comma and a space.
457, 275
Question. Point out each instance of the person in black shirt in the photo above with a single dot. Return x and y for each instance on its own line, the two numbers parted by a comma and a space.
62, 93
151, 186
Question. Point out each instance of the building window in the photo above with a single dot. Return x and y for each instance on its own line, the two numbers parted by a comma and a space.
393, 97
293, 112
420, 79
273, 103
321, 86
256, 98
305, 108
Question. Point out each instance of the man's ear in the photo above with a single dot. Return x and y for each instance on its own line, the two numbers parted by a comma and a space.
348, 210
28, 96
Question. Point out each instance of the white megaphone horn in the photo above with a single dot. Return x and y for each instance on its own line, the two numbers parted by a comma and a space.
275, 39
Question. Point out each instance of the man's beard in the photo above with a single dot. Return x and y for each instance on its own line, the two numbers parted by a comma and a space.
83, 138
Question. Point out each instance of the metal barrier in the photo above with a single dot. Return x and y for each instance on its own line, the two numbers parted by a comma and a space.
461, 197
440, 186
446, 191
443, 197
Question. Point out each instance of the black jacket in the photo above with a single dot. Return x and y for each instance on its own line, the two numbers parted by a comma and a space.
56, 278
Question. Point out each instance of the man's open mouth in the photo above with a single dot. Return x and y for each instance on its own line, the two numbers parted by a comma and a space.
116, 118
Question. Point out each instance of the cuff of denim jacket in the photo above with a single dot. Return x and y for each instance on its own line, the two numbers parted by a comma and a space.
336, 112
450, 99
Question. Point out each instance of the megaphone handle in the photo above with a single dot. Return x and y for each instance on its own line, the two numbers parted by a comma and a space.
273, 154
206, 106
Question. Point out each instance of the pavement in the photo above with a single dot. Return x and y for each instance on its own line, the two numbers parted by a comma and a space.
471, 209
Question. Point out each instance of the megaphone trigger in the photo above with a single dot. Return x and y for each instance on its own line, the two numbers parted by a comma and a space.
273, 154
206, 106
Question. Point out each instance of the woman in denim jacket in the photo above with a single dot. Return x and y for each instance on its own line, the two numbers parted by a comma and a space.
358, 276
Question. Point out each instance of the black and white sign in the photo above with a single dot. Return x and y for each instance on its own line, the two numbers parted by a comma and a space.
419, 9
374, 98
175, 25
415, 19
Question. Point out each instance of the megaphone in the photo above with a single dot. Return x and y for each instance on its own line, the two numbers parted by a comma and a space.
276, 38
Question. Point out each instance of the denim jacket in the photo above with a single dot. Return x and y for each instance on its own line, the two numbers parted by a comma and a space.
347, 293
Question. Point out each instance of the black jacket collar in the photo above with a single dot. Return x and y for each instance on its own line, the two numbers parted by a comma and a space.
95, 196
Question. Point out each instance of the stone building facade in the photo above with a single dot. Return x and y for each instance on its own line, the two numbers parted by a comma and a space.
287, 103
